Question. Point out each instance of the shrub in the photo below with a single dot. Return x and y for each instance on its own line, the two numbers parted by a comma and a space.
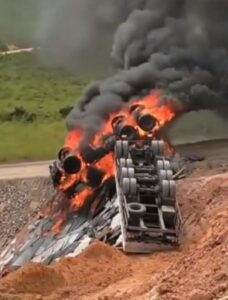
65, 111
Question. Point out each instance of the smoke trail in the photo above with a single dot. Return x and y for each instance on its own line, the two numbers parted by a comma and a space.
177, 46
78, 34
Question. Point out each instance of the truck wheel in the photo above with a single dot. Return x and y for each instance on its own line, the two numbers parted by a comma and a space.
123, 163
172, 188
165, 188
167, 165
154, 147
168, 188
165, 175
169, 174
136, 210
162, 175
126, 186
124, 173
160, 165
131, 172
125, 149
133, 186
129, 163
119, 150
161, 148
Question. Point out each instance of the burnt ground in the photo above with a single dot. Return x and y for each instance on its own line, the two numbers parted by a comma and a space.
196, 271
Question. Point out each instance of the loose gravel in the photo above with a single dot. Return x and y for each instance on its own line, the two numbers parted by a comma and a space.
20, 201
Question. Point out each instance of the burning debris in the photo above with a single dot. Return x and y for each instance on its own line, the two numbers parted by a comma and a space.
177, 48
114, 176
83, 166
118, 188
126, 155
172, 61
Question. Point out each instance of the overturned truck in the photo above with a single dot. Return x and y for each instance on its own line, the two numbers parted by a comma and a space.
150, 215
145, 188
122, 192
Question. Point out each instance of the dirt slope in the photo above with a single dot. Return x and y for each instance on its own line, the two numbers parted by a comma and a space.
197, 271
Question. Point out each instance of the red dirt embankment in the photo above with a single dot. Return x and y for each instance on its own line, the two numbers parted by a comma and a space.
197, 271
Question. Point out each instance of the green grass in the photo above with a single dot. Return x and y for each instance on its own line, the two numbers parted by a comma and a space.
42, 91
22, 142
31, 98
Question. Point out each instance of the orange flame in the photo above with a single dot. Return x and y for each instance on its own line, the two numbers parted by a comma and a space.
57, 227
106, 164
163, 113
152, 105
74, 139
79, 200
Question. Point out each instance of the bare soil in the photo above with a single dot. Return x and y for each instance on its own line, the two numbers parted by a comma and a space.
196, 271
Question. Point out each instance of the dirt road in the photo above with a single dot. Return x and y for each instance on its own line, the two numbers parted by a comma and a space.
215, 149
24, 170
16, 51
215, 153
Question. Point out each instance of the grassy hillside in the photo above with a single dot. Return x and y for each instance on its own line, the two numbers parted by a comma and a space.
33, 104
35, 100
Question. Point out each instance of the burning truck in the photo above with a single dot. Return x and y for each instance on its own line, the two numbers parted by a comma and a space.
118, 188
129, 155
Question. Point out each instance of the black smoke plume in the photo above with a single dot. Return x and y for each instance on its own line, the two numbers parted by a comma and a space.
177, 46
78, 34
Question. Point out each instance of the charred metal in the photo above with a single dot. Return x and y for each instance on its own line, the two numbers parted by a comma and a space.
145, 121
121, 128
71, 164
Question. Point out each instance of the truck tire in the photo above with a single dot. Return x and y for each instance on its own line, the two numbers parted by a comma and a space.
124, 173
129, 163
162, 175
168, 188
172, 188
136, 210
158, 148
167, 165
123, 163
165, 175
131, 172
169, 174
119, 150
126, 186
161, 148
154, 148
165, 188
160, 165
133, 186
125, 149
